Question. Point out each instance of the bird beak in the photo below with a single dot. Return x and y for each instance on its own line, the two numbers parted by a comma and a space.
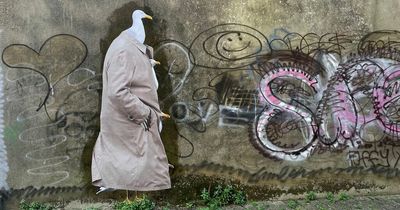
148, 17
157, 62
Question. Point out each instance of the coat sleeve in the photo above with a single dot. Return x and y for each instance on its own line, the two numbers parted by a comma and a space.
119, 75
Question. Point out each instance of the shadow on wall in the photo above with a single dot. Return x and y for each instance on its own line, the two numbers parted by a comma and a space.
4, 194
121, 19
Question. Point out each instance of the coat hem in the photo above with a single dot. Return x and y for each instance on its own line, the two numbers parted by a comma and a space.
98, 183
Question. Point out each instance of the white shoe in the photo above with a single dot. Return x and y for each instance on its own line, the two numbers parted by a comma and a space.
104, 189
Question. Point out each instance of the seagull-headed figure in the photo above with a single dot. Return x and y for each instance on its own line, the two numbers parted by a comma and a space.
137, 28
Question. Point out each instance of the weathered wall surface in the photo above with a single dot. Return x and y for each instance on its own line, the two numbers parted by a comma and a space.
280, 96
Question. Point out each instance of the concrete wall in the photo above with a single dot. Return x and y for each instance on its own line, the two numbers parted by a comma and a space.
279, 96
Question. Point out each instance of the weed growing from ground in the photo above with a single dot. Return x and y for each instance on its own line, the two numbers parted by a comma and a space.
34, 206
343, 197
190, 205
167, 206
310, 196
293, 204
330, 197
140, 204
321, 207
222, 196
258, 206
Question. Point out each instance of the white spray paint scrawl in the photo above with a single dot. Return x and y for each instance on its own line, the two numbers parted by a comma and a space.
3, 152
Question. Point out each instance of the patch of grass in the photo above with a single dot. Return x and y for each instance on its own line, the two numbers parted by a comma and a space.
222, 196
330, 197
310, 196
23, 205
343, 197
254, 204
166, 207
293, 204
321, 207
140, 204
263, 207
92, 208
190, 205
358, 206
258, 206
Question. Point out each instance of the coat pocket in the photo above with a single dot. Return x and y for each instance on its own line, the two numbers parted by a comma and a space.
125, 135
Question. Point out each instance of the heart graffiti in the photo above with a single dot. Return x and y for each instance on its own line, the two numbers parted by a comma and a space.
57, 58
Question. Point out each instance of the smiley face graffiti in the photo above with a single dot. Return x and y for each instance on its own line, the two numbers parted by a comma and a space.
227, 46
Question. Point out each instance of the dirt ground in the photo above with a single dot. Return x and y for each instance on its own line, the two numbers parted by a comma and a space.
362, 202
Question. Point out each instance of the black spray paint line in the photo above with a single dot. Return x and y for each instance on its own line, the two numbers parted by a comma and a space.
47, 77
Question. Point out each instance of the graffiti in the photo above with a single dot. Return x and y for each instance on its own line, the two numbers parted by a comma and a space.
230, 46
55, 132
27, 136
34, 192
350, 108
30, 191
182, 62
3, 152
239, 103
51, 57
381, 153
179, 111
316, 87
297, 95
288, 172
178, 66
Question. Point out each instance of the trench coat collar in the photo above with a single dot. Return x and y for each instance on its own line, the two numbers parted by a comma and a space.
142, 47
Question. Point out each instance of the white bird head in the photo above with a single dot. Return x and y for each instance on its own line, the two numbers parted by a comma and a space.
139, 15
137, 28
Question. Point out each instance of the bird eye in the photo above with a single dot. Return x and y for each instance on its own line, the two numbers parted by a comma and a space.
229, 39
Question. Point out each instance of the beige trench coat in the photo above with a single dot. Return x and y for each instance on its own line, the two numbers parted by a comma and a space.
126, 156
